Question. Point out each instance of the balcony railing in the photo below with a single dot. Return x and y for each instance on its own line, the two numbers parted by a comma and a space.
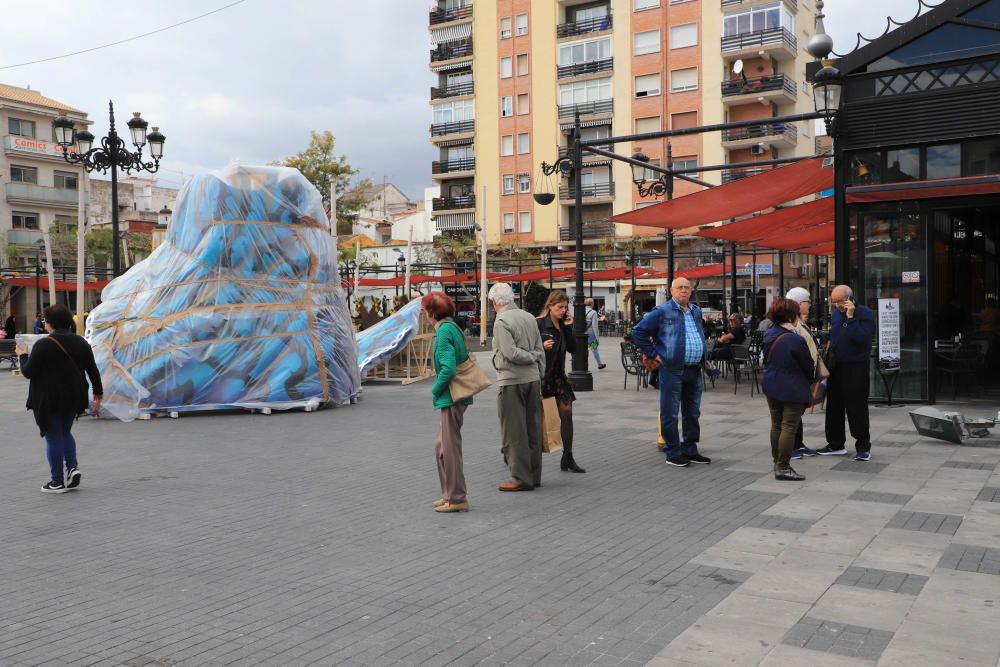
454, 203
786, 130
592, 67
589, 191
735, 3
450, 50
455, 14
583, 27
26, 237
586, 108
447, 166
42, 194
452, 91
564, 152
730, 175
750, 40
453, 128
598, 229
759, 85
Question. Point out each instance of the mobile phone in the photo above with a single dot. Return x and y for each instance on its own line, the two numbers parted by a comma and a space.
547, 337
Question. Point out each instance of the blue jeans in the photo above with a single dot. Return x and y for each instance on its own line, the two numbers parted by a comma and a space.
680, 391
60, 445
591, 338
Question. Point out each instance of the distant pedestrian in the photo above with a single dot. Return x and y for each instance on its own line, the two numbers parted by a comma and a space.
593, 331
737, 335
58, 392
449, 353
520, 363
800, 295
555, 327
10, 327
788, 373
39, 326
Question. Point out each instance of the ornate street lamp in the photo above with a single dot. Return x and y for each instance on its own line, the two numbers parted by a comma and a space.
828, 84
114, 155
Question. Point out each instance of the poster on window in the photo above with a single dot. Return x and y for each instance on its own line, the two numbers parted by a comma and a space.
888, 335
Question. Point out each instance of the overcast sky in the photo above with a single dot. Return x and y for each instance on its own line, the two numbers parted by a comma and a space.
251, 81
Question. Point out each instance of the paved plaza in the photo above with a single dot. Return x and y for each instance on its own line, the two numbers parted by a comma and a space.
297, 539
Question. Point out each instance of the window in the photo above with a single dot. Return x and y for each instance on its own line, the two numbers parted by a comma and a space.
682, 121
452, 112
22, 128
23, 174
457, 78
577, 14
505, 28
944, 161
522, 64
508, 223
507, 144
645, 4
682, 36
524, 222
523, 143
684, 79
581, 92
648, 124
646, 42
506, 106
522, 104
523, 183
650, 174
686, 163
66, 180
597, 132
981, 157
521, 21
508, 184
585, 52
459, 153
24, 220
506, 68
647, 85
758, 19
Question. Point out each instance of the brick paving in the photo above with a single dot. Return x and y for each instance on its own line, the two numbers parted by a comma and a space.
840, 638
881, 497
926, 522
966, 558
882, 580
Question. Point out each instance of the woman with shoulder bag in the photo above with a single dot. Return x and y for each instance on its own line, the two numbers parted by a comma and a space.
801, 296
449, 353
788, 374
58, 392
554, 326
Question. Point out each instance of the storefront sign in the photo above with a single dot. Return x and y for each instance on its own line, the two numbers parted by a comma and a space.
911, 277
762, 269
37, 146
888, 335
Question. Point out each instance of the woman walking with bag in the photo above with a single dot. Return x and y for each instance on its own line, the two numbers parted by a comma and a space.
58, 393
788, 374
554, 324
449, 353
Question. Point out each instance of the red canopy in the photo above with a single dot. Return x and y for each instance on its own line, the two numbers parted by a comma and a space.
707, 271
810, 214
618, 274
61, 285
733, 200
542, 274
823, 250
799, 239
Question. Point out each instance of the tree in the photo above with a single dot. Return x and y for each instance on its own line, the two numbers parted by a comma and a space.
98, 243
318, 163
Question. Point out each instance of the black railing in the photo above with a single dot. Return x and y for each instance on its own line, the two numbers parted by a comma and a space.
453, 128
750, 40
733, 3
589, 191
455, 14
444, 167
583, 27
759, 85
598, 229
604, 106
592, 67
452, 91
564, 152
453, 203
450, 50
730, 175
786, 130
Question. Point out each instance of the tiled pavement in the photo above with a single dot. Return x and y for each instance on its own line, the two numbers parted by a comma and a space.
308, 539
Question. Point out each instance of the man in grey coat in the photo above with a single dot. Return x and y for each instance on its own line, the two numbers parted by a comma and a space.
519, 358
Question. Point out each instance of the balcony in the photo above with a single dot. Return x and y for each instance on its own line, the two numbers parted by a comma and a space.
457, 90
454, 203
450, 50
564, 152
589, 191
792, 4
730, 175
587, 108
446, 15
776, 42
28, 193
774, 87
596, 229
593, 67
23, 237
599, 24
458, 127
453, 167
777, 134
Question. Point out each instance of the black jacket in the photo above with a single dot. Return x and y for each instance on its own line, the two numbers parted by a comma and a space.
58, 385
555, 359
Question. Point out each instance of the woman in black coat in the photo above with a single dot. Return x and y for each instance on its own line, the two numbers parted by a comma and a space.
555, 326
58, 392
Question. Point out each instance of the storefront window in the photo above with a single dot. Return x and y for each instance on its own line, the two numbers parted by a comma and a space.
902, 165
944, 161
866, 168
981, 157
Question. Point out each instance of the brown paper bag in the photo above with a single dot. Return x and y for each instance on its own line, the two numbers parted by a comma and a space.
551, 435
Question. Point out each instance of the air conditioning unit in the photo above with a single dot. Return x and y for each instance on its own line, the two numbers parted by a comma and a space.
758, 149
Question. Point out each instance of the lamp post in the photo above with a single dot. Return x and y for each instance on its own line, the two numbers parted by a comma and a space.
664, 185
111, 155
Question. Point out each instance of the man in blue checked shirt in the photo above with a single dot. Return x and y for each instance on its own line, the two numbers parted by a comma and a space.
673, 338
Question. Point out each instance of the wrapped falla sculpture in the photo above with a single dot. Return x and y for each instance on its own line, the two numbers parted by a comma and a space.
241, 306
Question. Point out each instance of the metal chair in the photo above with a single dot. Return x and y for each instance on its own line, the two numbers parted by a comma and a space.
744, 366
632, 363
7, 354
961, 362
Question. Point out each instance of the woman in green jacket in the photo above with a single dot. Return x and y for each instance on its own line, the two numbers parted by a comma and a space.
449, 352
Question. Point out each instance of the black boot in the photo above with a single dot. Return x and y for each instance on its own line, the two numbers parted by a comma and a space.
568, 464
787, 474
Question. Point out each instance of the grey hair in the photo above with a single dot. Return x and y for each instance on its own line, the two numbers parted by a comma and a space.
848, 292
502, 295
798, 294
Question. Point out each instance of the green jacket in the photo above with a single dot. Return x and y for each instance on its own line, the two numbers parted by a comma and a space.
449, 352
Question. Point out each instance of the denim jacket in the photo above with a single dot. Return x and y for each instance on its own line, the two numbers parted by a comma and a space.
661, 333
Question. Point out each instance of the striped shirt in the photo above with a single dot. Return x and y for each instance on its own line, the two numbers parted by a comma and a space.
694, 346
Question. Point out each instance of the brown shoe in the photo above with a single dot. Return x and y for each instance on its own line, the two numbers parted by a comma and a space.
439, 502
513, 486
453, 507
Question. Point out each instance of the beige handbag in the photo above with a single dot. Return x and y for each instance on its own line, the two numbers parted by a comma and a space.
469, 380
551, 426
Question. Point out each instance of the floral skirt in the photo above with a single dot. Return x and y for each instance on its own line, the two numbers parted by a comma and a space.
559, 387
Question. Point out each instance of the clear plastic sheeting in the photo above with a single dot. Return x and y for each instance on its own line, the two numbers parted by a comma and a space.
241, 306
387, 338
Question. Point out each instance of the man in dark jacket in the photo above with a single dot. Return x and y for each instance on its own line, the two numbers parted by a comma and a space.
852, 328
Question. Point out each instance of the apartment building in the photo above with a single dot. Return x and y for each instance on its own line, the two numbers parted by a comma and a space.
512, 74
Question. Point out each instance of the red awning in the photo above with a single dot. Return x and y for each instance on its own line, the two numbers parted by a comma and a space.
824, 250
618, 274
707, 271
799, 239
61, 285
944, 187
542, 274
733, 200
810, 214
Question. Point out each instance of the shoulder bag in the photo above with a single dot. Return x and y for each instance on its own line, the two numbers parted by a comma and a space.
469, 379
84, 387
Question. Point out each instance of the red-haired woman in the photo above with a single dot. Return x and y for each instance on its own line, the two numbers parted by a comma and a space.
449, 352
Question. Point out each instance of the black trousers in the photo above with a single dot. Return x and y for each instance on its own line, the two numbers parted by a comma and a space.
847, 391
